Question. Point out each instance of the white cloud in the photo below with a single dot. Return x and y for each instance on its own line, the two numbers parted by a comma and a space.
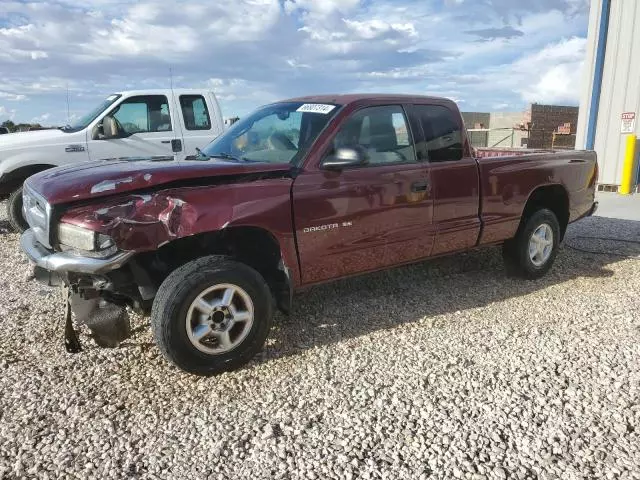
16, 97
41, 118
554, 73
293, 63
320, 9
7, 114
255, 51
375, 28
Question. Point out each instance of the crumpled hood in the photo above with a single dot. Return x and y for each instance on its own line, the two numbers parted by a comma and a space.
26, 139
101, 178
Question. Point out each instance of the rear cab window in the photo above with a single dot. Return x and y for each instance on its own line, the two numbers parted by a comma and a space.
195, 112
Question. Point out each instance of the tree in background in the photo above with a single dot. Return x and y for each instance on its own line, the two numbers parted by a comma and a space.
9, 125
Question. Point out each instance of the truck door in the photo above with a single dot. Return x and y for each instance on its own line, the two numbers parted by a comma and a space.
144, 126
367, 217
200, 121
454, 177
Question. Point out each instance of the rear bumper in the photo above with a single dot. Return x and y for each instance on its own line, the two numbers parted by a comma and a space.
61, 262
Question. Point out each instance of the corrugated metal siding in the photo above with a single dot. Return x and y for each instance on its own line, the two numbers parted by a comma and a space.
620, 85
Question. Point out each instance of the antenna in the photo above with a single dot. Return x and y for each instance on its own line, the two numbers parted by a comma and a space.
171, 77
68, 112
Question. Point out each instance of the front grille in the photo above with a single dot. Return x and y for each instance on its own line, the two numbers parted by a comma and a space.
37, 213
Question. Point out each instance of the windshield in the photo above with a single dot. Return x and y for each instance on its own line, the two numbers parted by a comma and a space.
85, 120
277, 133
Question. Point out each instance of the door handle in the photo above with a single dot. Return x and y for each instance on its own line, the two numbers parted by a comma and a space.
420, 186
165, 141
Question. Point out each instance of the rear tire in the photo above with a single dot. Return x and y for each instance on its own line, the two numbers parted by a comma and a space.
14, 211
531, 253
212, 315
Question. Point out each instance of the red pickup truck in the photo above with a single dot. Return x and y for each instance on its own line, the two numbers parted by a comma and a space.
300, 192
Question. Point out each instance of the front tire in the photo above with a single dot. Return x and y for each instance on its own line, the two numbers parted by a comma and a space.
14, 211
531, 253
212, 315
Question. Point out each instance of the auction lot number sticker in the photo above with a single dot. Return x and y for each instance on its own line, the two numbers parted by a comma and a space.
315, 108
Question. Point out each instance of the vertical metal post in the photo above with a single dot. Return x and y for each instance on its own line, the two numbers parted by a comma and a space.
599, 71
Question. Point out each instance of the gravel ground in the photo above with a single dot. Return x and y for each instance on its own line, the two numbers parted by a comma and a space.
446, 369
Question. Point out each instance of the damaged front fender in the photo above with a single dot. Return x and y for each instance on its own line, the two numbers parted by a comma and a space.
146, 221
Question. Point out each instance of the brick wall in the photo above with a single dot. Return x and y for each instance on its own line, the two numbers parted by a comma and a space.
547, 118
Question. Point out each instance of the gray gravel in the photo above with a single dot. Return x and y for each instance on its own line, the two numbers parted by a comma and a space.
446, 369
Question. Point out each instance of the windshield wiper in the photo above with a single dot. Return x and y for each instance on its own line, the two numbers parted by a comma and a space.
201, 155
227, 156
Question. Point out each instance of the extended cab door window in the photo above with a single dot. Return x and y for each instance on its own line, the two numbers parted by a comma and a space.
454, 178
149, 113
443, 139
382, 132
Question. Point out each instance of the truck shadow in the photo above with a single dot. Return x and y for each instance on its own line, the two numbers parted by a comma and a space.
351, 308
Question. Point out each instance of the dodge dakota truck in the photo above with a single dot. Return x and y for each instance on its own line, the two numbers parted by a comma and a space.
169, 123
299, 192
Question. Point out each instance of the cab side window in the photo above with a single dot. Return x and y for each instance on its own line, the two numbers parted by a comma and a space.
381, 131
145, 113
195, 113
442, 132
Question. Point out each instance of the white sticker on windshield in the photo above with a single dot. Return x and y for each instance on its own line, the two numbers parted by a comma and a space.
316, 108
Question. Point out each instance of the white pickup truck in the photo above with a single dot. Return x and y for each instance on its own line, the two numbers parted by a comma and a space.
169, 123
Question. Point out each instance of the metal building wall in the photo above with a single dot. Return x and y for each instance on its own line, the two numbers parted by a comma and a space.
620, 84
477, 139
507, 121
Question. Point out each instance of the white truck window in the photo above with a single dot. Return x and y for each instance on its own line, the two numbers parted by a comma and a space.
194, 112
148, 113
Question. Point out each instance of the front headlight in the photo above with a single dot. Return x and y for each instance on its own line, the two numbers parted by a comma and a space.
84, 241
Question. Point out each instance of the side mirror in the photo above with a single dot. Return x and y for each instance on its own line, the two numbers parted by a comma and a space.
345, 157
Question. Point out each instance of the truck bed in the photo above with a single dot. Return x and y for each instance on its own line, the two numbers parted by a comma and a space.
508, 181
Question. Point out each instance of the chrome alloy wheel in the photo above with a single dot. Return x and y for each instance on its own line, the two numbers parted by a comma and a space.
219, 319
541, 245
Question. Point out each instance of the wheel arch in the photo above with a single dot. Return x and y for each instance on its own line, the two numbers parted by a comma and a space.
13, 178
256, 247
553, 197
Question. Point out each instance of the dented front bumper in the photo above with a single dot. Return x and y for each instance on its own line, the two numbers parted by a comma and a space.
108, 322
64, 262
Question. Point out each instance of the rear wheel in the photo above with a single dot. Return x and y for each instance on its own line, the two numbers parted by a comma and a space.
531, 253
212, 315
14, 211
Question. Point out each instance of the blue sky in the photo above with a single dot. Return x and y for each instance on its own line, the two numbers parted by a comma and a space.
486, 54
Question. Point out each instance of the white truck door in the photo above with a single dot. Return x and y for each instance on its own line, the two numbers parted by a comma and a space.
200, 120
144, 126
